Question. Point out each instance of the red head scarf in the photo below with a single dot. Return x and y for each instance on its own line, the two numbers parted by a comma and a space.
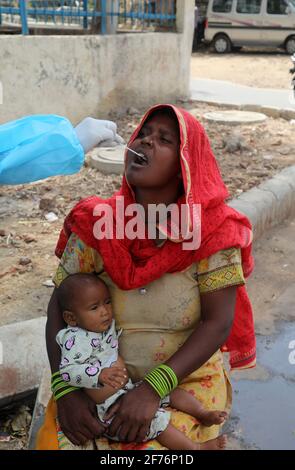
135, 263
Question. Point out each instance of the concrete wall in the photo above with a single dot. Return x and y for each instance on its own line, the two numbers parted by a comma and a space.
76, 76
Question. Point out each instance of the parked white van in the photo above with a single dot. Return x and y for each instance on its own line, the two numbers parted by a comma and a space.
237, 23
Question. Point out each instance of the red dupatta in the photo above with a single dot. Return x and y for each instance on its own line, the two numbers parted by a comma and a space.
135, 263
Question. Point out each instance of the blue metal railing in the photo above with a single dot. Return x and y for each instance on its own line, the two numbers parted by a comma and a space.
126, 14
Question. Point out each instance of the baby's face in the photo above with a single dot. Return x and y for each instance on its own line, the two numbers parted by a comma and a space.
92, 307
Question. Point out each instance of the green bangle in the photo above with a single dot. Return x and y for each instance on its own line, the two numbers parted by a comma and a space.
171, 374
64, 392
55, 374
60, 386
161, 391
56, 381
146, 379
162, 379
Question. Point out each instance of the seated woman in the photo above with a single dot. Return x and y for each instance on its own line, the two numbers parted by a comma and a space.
177, 304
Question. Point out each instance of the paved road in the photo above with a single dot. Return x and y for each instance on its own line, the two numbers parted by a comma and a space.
222, 92
263, 415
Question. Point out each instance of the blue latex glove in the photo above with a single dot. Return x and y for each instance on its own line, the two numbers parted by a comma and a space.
93, 132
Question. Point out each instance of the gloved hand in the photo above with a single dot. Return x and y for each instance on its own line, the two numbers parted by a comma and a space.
97, 132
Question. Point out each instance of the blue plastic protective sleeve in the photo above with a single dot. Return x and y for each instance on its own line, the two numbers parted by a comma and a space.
36, 147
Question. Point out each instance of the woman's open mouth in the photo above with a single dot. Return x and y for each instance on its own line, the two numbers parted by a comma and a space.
139, 158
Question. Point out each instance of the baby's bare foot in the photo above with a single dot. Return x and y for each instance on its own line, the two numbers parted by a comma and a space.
209, 418
214, 444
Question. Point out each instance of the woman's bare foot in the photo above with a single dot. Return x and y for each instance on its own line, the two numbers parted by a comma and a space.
214, 444
208, 418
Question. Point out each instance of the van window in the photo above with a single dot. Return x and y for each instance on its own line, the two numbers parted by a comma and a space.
222, 6
249, 6
277, 7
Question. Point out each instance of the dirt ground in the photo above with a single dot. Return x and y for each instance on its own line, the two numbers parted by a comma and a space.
247, 67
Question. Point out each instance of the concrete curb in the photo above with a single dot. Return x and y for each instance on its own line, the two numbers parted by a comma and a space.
42, 399
269, 203
23, 358
24, 367
266, 206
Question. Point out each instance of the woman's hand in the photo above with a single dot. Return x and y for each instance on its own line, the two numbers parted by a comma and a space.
134, 413
78, 419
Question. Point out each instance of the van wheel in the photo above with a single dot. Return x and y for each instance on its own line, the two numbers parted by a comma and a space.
290, 45
222, 44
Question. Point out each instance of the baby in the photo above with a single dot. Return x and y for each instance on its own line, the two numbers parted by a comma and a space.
89, 359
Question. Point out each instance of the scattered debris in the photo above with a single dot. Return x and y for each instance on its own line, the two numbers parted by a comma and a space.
29, 238
48, 283
4, 437
285, 150
47, 203
21, 420
259, 173
132, 111
267, 157
277, 142
51, 217
11, 270
15, 420
234, 142
24, 260
8, 239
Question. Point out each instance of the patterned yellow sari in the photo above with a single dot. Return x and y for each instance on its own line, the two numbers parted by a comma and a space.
156, 320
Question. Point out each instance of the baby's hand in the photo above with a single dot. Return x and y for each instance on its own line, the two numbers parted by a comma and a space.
115, 377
